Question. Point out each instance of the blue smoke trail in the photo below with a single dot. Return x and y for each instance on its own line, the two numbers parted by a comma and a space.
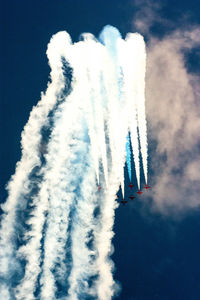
108, 37
128, 156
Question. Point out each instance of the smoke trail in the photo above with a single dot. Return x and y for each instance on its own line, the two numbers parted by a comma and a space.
128, 57
136, 46
31, 251
111, 37
81, 238
82, 270
94, 69
83, 222
128, 156
68, 232
31, 137
63, 193
74, 142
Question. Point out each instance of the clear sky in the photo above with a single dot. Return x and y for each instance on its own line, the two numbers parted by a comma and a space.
157, 238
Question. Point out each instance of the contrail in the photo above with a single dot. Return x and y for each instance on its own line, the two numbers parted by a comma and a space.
66, 236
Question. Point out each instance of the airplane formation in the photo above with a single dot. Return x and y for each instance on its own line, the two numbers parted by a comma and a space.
139, 192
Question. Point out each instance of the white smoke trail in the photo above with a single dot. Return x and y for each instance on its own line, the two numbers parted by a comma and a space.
83, 225
93, 55
105, 285
120, 116
111, 37
128, 56
135, 145
54, 199
114, 122
71, 133
94, 106
68, 136
31, 251
136, 48
31, 137
63, 179
4, 292
58, 185
94, 69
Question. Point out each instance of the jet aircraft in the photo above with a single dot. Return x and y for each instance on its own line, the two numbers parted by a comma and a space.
147, 186
131, 185
139, 192
124, 202
132, 197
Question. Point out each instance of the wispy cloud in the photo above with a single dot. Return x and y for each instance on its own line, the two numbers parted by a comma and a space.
173, 112
147, 13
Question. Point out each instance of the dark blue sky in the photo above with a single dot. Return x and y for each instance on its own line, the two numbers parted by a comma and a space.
156, 257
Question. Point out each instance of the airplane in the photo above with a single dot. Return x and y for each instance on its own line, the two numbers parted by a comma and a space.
131, 185
123, 201
139, 192
132, 197
147, 186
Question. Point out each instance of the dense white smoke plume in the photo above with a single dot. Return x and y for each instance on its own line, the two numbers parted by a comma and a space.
56, 231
